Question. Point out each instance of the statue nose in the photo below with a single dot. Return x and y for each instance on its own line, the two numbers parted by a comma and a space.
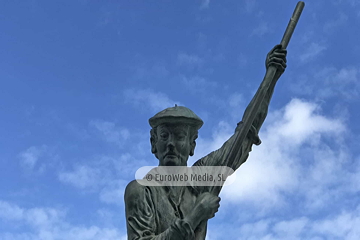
170, 143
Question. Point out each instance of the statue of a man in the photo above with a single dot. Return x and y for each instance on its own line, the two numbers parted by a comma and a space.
181, 212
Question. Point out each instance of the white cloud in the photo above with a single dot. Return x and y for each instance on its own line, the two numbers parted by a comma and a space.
339, 82
108, 217
50, 224
330, 82
352, 3
147, 98
144, 70
205, 90
10, 211
36, 159
343, 225
198, 85
250, 5
82, 177
104, 175
301, 121
290, 229
79, 132
237, 106
30, 156
347, 75
36, 217
114, 193
236, 100
331, 26
261, 29
275, 166
189, 60
254, 229
304, 155
111, 132
205, 4
312, 52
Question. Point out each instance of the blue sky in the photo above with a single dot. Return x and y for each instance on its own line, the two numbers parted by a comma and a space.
80, 79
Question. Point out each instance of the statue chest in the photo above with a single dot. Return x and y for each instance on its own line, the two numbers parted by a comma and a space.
173, 204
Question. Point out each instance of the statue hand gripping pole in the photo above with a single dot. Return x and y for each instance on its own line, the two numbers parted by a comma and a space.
249, 118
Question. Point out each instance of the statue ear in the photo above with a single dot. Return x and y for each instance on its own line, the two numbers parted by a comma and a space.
153, 140
192, 148
153, 145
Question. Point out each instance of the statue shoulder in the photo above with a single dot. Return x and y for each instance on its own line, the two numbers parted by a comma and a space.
137, 196
134, 190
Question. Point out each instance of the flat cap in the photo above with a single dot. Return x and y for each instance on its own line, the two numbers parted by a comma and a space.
177, 114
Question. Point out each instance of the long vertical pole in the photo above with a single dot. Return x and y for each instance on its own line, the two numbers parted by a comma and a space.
259, 97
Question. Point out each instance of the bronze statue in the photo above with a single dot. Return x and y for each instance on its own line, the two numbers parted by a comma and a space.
181, 212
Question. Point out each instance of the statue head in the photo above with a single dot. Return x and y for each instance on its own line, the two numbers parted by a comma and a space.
173, 134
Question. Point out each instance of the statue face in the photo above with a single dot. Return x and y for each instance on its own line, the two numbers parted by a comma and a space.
173, 144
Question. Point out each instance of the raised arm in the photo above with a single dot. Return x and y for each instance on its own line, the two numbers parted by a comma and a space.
276, 57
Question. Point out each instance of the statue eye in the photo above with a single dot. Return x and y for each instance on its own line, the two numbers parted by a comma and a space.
164, 135
181, 137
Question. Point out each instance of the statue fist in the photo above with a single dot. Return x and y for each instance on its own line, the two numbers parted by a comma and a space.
207, 205
277, 57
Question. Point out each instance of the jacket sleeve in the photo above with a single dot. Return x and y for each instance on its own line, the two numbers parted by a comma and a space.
140, 217
218, 157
